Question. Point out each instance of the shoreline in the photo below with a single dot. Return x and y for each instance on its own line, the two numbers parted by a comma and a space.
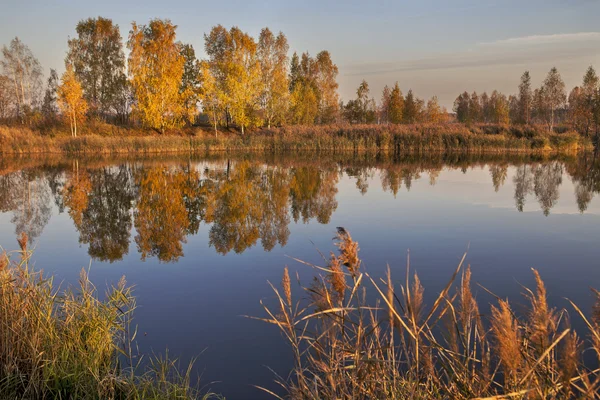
391, 140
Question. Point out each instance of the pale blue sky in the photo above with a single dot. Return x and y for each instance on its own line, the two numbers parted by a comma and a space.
432, 46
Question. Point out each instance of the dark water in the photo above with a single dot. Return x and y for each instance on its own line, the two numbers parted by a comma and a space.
200, 238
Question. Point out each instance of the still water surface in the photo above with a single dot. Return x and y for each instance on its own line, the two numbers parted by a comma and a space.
200, 238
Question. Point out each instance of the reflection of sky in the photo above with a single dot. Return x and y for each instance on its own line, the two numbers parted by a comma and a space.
195, 305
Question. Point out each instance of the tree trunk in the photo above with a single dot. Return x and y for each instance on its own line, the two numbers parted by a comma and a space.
75, 123
242, 129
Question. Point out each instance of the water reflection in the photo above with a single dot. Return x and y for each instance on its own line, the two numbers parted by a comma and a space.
244, 200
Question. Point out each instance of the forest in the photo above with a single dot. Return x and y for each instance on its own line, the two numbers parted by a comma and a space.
244, 84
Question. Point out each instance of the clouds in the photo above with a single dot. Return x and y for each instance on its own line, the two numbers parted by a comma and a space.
546, 39
484, 66
514, 51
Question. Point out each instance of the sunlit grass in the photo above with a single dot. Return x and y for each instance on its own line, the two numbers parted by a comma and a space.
345, 347
389, 139
69, 344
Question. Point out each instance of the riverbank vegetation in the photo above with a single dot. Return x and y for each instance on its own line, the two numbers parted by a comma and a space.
348, 344
389, 139
248, 87
70, 344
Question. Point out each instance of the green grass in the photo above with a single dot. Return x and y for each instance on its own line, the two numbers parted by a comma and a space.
69, 344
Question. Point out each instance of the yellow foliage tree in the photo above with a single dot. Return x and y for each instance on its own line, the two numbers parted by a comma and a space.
156, 68
70, 99
211, 97
243, 81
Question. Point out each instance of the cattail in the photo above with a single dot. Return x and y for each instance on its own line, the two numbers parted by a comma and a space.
466, 298
287, 288
390, 297
338, 282
596, 308
541, 318
416, 298
22, 240
569, 361
506, 333
3, 261
348, 251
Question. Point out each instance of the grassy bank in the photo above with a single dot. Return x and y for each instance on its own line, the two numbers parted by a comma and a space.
71, 345
390, 139
395, 348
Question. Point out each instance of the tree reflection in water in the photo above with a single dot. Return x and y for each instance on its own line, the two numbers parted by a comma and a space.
244, 201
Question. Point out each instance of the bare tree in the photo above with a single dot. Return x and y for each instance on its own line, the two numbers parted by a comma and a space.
25, 73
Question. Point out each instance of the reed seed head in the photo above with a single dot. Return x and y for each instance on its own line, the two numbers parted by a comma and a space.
286, 284
22, 240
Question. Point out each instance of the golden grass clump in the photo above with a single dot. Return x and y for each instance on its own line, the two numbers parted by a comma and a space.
354, 349
508, 340
72, 345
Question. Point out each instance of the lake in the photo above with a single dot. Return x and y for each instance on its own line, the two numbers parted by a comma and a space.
200, 238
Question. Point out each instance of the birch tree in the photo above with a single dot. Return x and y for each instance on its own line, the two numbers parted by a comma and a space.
272, 57
155, 70
70, 99
554, 95
25, 74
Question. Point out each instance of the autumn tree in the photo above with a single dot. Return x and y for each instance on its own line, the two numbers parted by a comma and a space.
49, 105
362, 109
590, 99
461, 108
325, 78
190, 82
411, 108
155, 69
525, 99
434, 112
554, 95
24, 71
97, 57
396, 105
578, 113
475, 110
304, 93
272, 58
304, 105
234, 63
499, 108
243, 80
486, 108
71, 100
514, 108
210, 96
384, 107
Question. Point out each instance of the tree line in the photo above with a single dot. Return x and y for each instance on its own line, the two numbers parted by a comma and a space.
245, 83
547, 104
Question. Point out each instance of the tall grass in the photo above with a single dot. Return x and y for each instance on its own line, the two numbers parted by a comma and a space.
69, 344
389, 139
396, 348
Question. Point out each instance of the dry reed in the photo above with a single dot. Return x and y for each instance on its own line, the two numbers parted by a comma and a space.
401, 349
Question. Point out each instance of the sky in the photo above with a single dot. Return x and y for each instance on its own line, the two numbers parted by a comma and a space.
434, 47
